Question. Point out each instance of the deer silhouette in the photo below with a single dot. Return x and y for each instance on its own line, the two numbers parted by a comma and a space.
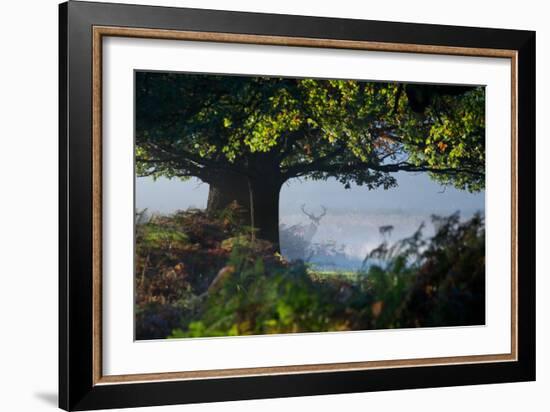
315, 221
296, 240
386, 230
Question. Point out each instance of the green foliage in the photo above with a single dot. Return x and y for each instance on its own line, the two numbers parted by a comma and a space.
453, 139
440, 281
216, 280
358, 132
177, 257
158, 236
255, 301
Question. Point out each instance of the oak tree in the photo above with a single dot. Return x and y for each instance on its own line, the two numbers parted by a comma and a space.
246, 136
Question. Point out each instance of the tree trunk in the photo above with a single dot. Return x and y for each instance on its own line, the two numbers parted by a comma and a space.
262, 214
265, 209
225, 189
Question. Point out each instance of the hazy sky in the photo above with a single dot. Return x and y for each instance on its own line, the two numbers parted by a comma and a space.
415, 193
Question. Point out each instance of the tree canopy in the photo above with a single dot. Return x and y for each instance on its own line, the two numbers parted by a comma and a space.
246, 136
355, 131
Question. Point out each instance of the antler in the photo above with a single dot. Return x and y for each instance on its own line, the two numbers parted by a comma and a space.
316, 219
303, 207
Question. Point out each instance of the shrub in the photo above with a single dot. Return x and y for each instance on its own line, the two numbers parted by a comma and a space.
199, 275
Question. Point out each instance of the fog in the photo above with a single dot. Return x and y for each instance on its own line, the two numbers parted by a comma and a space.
353, 216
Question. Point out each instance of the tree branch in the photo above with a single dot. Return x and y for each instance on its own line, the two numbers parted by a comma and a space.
387, 168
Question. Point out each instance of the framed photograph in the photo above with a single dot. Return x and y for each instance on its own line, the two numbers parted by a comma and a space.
256, 205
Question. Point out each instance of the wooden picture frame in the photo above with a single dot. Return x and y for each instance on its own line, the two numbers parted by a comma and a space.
83, 26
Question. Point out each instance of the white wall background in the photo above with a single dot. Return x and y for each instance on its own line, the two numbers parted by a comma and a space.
28, 207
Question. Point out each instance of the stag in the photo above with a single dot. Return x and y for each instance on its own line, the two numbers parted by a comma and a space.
314, 224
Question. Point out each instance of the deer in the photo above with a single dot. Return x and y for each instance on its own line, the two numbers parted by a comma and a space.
385, 230
314, 224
